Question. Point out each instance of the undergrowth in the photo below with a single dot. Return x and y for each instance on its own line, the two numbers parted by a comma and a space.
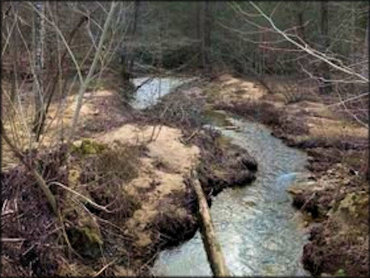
267, 114
92, 211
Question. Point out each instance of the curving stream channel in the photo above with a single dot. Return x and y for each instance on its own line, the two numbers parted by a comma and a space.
255, 224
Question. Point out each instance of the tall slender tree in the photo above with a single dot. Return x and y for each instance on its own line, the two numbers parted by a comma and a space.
325, 86
38, 42
206, 35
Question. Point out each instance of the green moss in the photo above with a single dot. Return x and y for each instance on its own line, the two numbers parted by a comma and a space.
86, 241
92, 235
87, 147
340, 273
84, 235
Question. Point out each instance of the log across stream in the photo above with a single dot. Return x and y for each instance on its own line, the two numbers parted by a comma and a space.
255, 224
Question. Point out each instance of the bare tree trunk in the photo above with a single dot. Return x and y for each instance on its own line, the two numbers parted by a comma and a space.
38, 86
159, 59
87, 80
206, 35
365, 68
198, 30
300, 21
353, 31
211, 245
128, 55
325, 86
54, 80
14, 81
367, 33
133, 34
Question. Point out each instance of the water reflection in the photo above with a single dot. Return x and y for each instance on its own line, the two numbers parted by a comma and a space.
151, 89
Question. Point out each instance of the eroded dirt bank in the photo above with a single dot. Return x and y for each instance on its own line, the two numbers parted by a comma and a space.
122, 191
336, 198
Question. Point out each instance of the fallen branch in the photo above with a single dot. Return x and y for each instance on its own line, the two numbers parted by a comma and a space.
143, 83
105, 267
187, 140
211, 245
81, 196
12, 239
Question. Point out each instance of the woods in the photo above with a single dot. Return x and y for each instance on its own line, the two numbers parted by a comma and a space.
71, 73
227, 37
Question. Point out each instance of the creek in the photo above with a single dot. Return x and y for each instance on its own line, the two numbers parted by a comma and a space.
255, 224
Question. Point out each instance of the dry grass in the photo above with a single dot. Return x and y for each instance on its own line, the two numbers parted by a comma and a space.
268, 114
292, 89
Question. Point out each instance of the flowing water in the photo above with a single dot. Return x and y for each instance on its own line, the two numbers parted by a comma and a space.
255, 224
151, 89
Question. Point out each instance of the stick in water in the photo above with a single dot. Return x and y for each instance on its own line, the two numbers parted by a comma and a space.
211, 245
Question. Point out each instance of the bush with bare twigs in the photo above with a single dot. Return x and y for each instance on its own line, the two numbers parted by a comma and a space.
89, 188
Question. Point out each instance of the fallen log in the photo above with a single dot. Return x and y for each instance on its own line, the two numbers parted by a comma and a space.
211, 245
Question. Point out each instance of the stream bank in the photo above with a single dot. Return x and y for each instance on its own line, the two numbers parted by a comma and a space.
125, 194
335, 200
156, 209
256, 226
